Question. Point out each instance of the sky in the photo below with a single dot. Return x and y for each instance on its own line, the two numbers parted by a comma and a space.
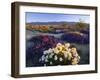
53, 17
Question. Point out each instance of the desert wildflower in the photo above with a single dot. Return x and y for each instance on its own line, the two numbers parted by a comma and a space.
60, 59
51, 63
55, 57
59, 44
62, 53
51, 55
56, 50
74, 61
67, 45
69, 56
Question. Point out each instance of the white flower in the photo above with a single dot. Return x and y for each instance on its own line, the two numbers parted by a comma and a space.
63, 49
46, 60
60, 59
46, 56
78, 58
59, 44
69, 50
51, 55
65, 55
69, 56
56, 50
42, 58
67, 45
44, 64
51, 63
74, 61
45, 52
74, 50
50, 50
55, 57
75, 54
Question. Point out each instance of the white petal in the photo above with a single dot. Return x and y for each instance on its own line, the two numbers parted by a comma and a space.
55, 58
50, 56
43, 57
50, 50
65, 55
44, 64
51, 63
45, 52
60, 59
46, 60
47, 56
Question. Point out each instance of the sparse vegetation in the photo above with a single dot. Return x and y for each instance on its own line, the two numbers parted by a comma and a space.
81, 25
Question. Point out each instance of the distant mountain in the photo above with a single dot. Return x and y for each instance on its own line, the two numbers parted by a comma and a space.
52, 23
